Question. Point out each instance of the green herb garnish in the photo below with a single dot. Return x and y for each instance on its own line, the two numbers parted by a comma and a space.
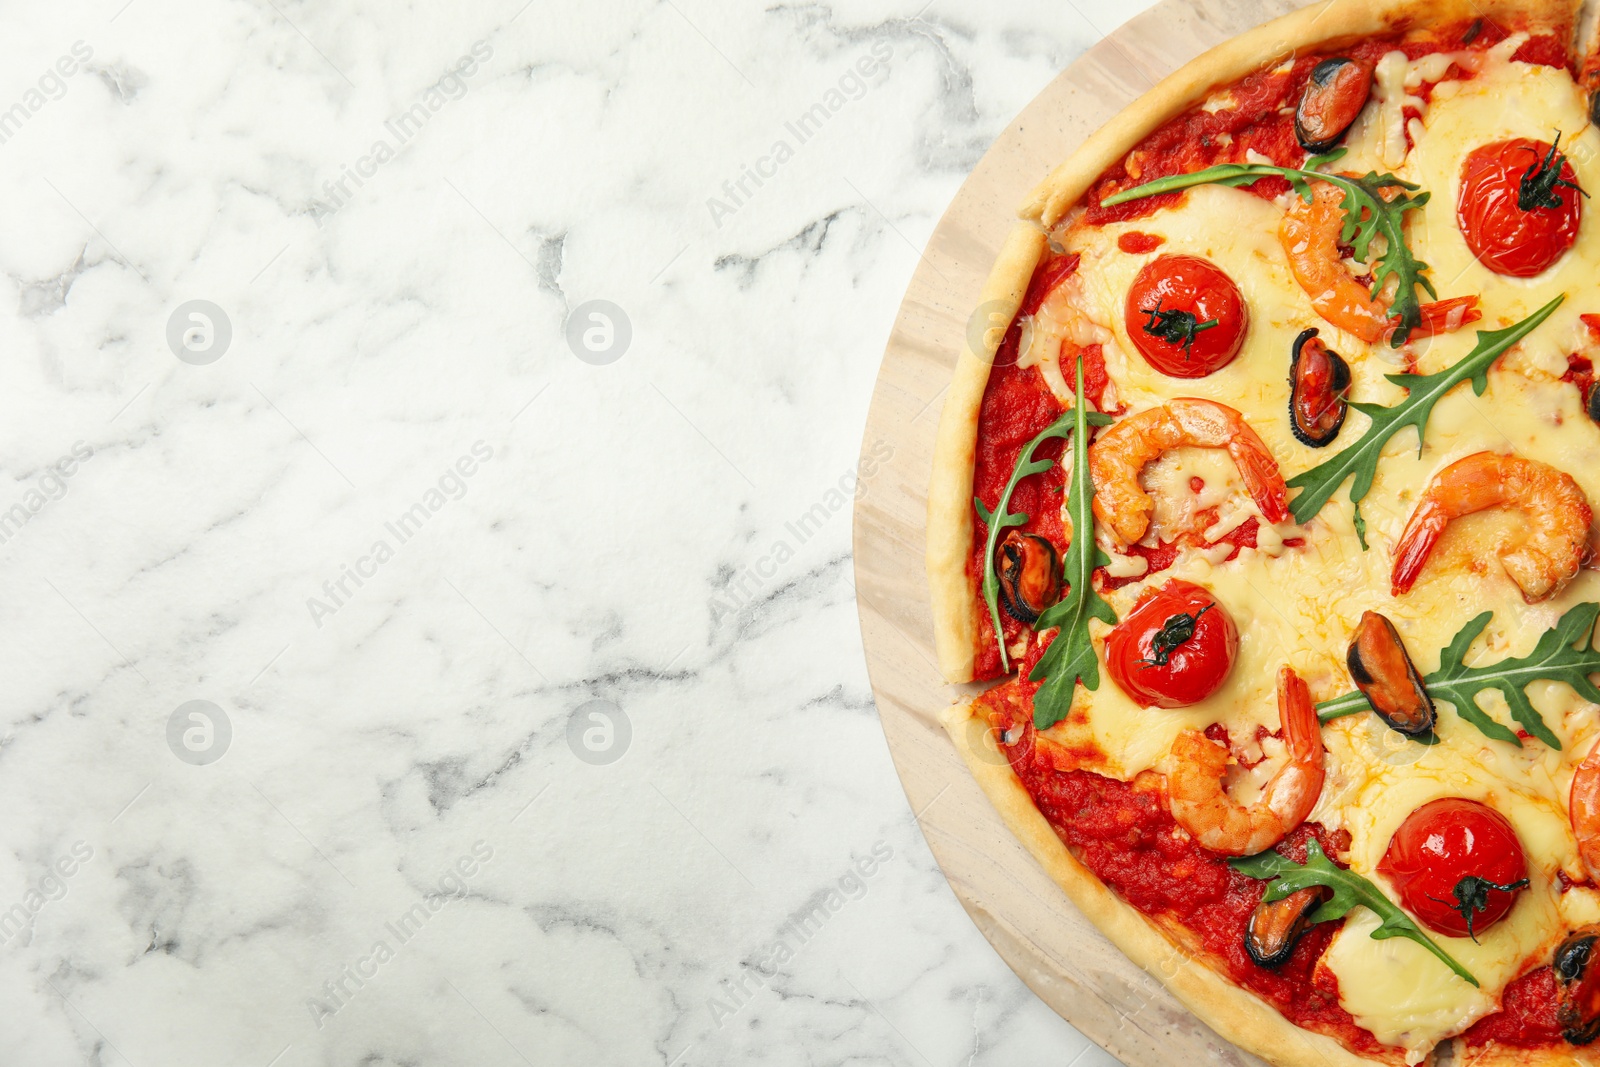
1472, 896
1173, 633
1001, 519
1318, 484
1176, 326
1539, 182
1565, 653
1071, 656
1367, 214
1349, 890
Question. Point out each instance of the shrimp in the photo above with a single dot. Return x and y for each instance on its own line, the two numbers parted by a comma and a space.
1118, 455
1583, 808
1310, 236
1542, 560
1201, 804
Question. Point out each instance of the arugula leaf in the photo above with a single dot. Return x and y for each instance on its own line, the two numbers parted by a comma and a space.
1565, 653
1071, 654
1001, 519
1349, 890
1367, 214
1318, 484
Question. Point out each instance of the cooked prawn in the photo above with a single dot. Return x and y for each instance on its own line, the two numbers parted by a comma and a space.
1542, 560
1201, 804
1120, 452
1310, 236
1583, 808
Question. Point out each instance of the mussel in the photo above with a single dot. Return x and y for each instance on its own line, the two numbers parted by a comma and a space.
1275, 927
1334, 95
1384, 673
1318, 381
1578, 986
1591, 403
1030, 575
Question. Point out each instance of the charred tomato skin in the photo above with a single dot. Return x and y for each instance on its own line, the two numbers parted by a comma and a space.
1155, 675
1443, 842
1185, 285
1334, 95
1506, 236
1319, 378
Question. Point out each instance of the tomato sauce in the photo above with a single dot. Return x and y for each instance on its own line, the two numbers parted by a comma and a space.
1527, 1016
1135, 243
1124, 833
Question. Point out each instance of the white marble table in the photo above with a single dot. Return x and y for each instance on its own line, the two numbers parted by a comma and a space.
404, 665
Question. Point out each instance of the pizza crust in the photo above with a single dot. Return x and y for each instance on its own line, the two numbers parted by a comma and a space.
1320, 25
1492, 1056
957, 621
954, 592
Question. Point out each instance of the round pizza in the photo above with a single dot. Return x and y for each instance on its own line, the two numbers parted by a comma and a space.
1262, 509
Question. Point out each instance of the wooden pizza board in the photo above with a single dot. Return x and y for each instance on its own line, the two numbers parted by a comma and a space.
1029, 921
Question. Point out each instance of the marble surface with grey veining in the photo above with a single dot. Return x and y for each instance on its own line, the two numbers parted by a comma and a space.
427, 436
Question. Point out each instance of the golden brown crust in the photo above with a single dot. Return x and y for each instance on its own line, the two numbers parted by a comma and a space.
1497, 1056
1237, 1015
957, 619
1321, 24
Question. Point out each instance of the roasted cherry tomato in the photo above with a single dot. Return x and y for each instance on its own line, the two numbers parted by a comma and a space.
1520, 205
1185, 316
1457, 865
1174, 648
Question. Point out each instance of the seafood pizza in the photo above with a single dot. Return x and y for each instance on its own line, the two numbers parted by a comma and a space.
1263, 508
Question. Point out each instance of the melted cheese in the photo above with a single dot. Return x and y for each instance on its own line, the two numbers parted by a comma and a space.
1170, 482
1058, 321
1396, 988
1389, 93
1298, 606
